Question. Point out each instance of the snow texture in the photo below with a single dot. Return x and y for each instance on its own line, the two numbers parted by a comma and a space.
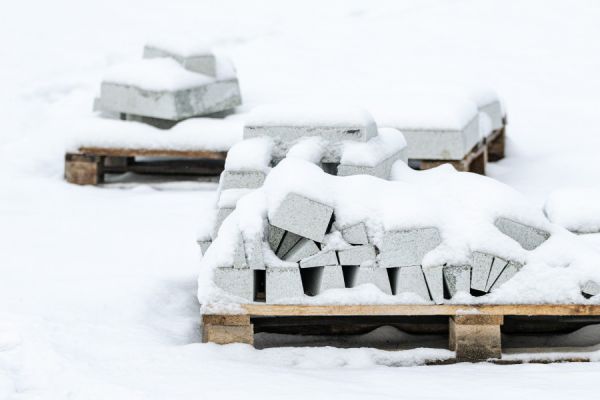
575, 209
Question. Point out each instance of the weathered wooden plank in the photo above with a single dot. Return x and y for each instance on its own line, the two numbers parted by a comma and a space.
82, 169
475, 161
123, 152
496, 144
420, 309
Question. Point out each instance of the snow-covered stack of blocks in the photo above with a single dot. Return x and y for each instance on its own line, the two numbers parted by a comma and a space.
170, 84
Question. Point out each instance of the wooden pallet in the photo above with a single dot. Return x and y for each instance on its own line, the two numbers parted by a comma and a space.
89, 165
475, 161
474, 330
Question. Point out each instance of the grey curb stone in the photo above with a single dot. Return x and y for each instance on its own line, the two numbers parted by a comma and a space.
241, 179
411, 280
434, 277
408, 247
274, 237
381, 170
303, 216
254, 253
480, 272
527, 236
289, 240
301, 250
202, 63
375, 275
457, 279
173, 105
332, 278
507, 273
357, 255
323, 258
236, 281
222, 214
282, 283
356, 234
498, 266
204, 245
590, 289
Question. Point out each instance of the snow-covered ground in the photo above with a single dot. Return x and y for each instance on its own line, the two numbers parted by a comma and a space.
98, 285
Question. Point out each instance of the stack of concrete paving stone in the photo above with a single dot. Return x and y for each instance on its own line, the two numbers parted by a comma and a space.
195, 84
296, 233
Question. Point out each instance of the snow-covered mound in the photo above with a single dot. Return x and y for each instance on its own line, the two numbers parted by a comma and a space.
576, 209
463, 207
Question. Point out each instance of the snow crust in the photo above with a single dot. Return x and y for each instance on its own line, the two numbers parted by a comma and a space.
183, 45
310, 149
301, 114
575, 209
209, 134
250, 154
155, 74
388, 142
462, 206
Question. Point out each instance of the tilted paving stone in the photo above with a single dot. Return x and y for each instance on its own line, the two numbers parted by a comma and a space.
204, 245
590, 289
236, 281
507, 273
241, 179
411, 280
373, 274
203, 63
301, 250
274, 236
481, 265
381, 170
320, 259
357, 255
497, 267
527, 236
457, 278
434, 277
332, 278
356, 234
239, 255
282, 283
289, 240
303, 216
408, 247
254, 253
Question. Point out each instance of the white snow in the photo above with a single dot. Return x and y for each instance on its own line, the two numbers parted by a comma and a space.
250, 154
308, 148
98, 285
185, 45
389, 141
576, 209
155, 74
299, 114
209, 134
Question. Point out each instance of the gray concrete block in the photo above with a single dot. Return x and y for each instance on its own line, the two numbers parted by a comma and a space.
411, 280
283, 283
457, 278
302, 250
174, 105
590, 289
357, 255
203, 63
498, 266
356, 234
527, 236
303, 216
375, 275
320, 259
332, 278
239, 255
241, 179
511, 269
204, 245
274, 237
481, 264
236, 281
254, 253
222, 214
288, 241
440, 143
381, 170
408, 247
434, 277
495, 113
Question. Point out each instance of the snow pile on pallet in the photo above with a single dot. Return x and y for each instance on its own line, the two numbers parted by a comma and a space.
575, 209
170, 84
435, 235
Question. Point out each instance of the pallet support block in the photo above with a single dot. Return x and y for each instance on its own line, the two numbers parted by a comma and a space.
475, 161
476, 337
226, 329
496, 144
83, 169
